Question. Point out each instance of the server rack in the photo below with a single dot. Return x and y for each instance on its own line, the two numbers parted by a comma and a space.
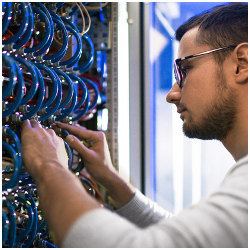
39, 56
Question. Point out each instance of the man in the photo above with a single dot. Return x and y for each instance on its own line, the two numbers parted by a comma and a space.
211, 95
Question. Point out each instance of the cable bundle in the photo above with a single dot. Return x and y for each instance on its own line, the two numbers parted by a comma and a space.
45, 59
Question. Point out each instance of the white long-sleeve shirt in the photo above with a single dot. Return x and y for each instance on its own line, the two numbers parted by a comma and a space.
221, 220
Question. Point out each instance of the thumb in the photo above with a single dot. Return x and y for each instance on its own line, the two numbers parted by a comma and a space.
76, 144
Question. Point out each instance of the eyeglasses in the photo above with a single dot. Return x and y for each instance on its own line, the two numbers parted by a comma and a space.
178, 70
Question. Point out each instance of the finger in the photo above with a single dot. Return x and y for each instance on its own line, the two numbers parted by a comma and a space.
56, 129
51, 132
64, 125
35, 124
26, 125
60, 131
80, 132
76, 144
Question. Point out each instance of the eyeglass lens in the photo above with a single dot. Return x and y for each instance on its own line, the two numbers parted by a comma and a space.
177, 74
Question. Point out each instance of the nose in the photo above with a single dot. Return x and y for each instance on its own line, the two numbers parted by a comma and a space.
174, 95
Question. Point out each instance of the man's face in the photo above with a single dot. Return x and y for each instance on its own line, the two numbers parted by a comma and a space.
205, 103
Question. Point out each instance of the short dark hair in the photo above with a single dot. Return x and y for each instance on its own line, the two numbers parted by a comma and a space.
221, 26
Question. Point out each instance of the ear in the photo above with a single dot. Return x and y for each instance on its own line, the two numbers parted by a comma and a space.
241, 66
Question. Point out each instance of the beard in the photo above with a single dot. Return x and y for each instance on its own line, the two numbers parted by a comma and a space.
218, 119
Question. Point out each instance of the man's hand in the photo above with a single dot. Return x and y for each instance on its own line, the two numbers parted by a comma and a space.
98, 163
61, 194
96, 156
41, 146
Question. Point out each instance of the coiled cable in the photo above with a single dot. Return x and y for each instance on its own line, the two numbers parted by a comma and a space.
70, 97
7, 16
5, 227
33, 231
96, 92
87, 65
33, 73
51, 110
27, 35
77, 54
13, 136
81, 112
54, 82
11, 107
41, 93
62, 51
24, 24
25, 231
11, 242
84, 88
45, 48
47, 34
12, 182
70, 88
7, 88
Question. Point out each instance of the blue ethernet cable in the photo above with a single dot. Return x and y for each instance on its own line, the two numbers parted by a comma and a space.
25, 231
7, 88
87, 65
80, 113
41, 225
45, 48
51, 110
33, 73
23, 26
70, 87
80, 83
77, 54
33, 231
60, 4
11, 134
54, 82
47, 34
7, 16
11, 107
69, 153
41, 94
50, 245
27, 35
67, 111
17, 167
5, 227
11, 241
62, 51
71, 97
93, 85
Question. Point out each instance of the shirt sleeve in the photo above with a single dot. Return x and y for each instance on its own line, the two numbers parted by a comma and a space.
219, 221
142, 211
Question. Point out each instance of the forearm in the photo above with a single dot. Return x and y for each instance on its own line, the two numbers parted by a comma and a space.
62, 199
118, 189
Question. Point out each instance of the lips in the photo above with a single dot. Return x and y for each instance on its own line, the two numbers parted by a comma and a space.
180, 110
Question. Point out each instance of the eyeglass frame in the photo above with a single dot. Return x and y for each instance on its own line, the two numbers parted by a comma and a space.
177, 67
